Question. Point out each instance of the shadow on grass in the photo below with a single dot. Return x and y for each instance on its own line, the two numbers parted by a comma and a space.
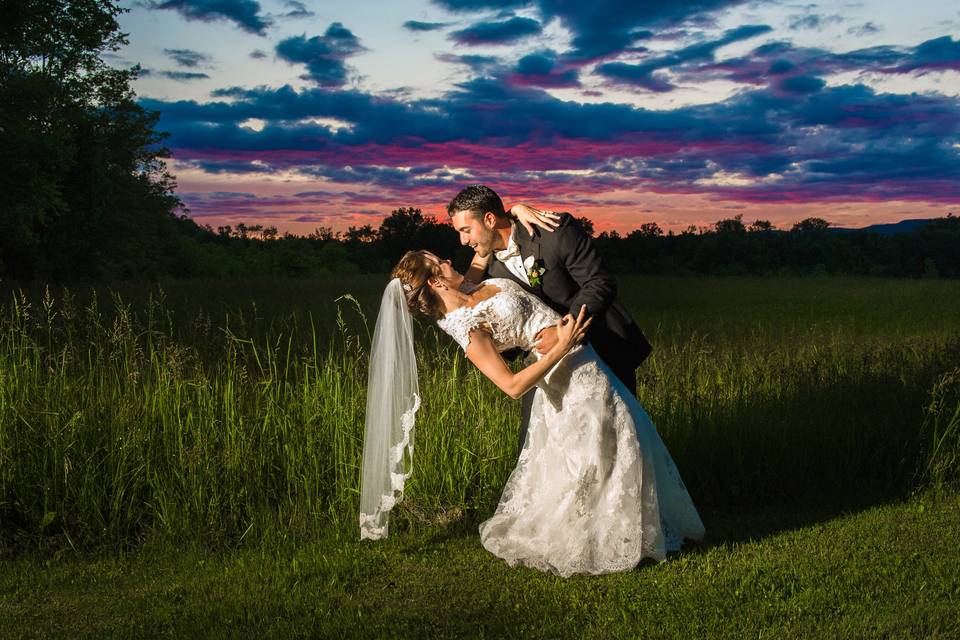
724, 528
738, 526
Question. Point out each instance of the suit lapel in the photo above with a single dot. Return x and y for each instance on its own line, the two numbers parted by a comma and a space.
529, 246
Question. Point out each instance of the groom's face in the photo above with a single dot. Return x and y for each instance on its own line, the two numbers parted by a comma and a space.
476, 232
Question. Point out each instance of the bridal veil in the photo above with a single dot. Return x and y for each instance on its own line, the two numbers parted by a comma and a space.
392, 401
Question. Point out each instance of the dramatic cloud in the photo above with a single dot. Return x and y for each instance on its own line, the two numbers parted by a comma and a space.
479, 64
481, 5
605, 27
801, 84
933, 55
797, 141
323, 55
643, 75
776, 63
810, 20
184, 76
258, 54
296, 10
541, 69
865, 29
244, 13
242, 206
417, 26
188, 57
501, 33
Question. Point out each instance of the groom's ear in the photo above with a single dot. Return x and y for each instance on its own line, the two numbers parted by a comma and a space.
490, 219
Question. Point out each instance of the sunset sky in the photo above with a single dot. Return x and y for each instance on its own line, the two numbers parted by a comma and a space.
302, 114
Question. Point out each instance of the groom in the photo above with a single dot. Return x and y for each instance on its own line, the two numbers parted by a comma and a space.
562, 268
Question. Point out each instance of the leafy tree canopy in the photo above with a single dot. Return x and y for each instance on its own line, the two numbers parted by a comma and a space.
86, 192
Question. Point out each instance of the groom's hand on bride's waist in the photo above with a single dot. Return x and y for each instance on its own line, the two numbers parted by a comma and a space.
546, 340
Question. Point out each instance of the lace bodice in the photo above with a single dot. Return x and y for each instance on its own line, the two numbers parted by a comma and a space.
513, 316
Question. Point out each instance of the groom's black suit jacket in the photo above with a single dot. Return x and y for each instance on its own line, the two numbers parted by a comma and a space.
575, 275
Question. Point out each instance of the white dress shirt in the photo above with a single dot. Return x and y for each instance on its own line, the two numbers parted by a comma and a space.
511, 257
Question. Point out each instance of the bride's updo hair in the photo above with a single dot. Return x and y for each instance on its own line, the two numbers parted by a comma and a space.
413, 270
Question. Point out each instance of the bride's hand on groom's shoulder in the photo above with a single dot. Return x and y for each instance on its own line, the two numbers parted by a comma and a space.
529, 216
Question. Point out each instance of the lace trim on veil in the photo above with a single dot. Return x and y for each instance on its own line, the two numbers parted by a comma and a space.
376, 525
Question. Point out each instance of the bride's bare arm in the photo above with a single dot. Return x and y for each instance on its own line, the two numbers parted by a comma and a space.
478, 267
483, 353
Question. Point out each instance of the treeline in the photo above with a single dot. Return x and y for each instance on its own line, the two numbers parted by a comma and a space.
728, 247
810, 247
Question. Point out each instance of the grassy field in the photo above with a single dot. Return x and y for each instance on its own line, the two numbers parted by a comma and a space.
210, 434
883, 572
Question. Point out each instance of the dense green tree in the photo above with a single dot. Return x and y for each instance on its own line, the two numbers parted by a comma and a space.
85, 189
811, 225
407, 228
650, 230
730, 226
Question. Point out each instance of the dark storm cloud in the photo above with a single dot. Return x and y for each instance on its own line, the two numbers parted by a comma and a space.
801, 84
542, 69
865, 29
323, 55
811, 21
644, 74
775, 62
937, 54
231, 166
296, 10
498, 32
417, 26
484, 110
188, 57
479, 64
244, 13
603, 28
480, 5
184, 76
383, 176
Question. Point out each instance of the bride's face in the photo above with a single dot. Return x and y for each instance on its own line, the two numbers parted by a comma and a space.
451, 277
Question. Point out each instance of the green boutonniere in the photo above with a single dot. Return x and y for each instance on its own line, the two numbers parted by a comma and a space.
535, 271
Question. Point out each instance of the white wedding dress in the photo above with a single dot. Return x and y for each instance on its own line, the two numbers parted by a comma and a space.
594, 490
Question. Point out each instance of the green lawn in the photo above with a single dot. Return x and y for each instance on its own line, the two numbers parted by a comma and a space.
888, 571
216, 431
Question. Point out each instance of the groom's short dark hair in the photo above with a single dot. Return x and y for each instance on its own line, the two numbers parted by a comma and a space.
478, 199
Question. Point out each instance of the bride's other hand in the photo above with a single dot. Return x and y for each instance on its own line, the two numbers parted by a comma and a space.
529, 216
571, 331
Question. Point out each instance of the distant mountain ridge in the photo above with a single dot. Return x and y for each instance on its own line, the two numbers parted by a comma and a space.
891, 228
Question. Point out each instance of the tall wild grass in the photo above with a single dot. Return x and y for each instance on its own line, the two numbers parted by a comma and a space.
210, 419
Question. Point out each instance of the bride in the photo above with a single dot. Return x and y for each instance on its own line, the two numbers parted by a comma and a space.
594, 490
